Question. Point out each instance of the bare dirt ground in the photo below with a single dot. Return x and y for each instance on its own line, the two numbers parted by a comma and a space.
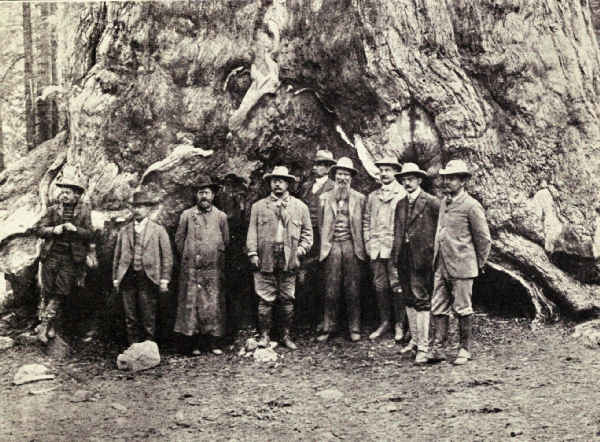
523, 384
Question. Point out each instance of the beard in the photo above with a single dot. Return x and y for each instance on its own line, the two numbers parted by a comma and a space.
341, 191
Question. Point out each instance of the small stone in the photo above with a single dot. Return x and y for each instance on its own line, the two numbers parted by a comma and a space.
181, 420
251, 344
330, 394
6, 343
81, 396
32, 373
265, 355
242, 352
140, 356
119, 407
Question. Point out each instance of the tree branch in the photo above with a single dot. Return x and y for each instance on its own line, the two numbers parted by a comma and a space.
14, 62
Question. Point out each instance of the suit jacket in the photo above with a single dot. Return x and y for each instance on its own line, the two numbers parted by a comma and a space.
414, 236
79, 240
157, 257
462, 237
263, 227
327, 214
378, 221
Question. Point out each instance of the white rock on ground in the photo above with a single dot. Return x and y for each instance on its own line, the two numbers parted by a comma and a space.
31, 373
139, 356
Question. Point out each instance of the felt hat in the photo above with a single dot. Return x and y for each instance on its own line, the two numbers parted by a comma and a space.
456, 167
343, 163
280, 172
142, 198
71, 180
206, 182
411, 169
388, 161
324, 156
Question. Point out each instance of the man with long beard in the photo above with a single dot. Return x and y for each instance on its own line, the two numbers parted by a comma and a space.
378, 232
279, 235
342, 248
201, 240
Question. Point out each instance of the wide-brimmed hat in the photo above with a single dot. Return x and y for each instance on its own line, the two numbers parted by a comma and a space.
456, 167
280, 172
142, 198
71, 180
344, 163
324, 156
388, 161
411, 169
205, 182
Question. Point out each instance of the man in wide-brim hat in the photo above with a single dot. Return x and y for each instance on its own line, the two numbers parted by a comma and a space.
342, 248
461, 249
201, 240
142, 266
412, 256
378, 233
279, 235
67, 231
311, 293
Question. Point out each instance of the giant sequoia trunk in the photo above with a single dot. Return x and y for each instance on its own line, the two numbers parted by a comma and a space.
163, 92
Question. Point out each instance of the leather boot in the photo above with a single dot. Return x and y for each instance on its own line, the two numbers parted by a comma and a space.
423, 355
288, 317
383, 305
43, 332
381, 330
411, 315
264, 323
441, 323
465, 327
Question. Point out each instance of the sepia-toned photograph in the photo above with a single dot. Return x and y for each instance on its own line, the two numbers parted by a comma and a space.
300, 220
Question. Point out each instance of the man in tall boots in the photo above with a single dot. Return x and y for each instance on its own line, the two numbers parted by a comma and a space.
342, 248
142, 267
201, 240
279, 235
310, 275
67, 230
378, 233
461, 249
412, 256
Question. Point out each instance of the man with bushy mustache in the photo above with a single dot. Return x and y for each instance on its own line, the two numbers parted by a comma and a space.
342, 248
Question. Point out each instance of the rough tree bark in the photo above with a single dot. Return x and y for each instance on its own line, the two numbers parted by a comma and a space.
167, 91
28, 77
43, 75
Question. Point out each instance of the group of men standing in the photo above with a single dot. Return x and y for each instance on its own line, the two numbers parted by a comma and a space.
423, 256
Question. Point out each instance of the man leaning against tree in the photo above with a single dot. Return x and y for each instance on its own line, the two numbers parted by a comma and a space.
461, 249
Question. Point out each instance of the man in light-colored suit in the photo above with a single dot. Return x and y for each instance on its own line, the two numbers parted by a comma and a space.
342, 247
142, 267
378, 232
461, 249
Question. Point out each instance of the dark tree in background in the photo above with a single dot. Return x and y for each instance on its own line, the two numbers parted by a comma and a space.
28, 77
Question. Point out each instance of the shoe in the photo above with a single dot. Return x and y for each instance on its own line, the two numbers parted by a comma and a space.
383, 328
196, 352
217, 351
408, 348
462, 357
437, 354
323, 337
264, 340
355, 337
422, 358
289, 343
398, 333
42, 333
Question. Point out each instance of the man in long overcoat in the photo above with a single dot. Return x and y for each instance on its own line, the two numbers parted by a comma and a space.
462, 246
67, 230
279, 235
142, 266
342, 248
412, 256
378, 233
312, 281
201, 240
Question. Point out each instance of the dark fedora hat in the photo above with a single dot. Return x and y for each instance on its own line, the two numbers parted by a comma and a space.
142, 198
205, 182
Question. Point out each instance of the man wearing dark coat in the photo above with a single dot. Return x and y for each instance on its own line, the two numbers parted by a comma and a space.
67, 230
142, 267
412, 256
312, 283
201, 240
